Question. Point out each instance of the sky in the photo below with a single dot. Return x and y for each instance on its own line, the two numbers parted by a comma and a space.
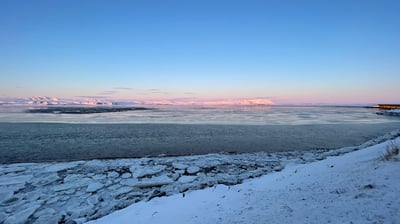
288, 52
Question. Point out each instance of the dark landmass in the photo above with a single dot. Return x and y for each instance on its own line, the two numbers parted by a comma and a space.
41, 142
83, 110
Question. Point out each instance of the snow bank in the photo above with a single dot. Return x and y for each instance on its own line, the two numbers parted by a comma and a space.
358, 187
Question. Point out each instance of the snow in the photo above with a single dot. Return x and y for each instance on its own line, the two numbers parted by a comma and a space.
358, 187
88, 190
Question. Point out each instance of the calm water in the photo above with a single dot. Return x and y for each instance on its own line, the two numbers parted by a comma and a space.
28, 137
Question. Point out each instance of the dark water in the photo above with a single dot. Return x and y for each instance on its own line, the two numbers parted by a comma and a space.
38, 142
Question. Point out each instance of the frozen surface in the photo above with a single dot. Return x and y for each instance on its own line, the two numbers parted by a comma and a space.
86, 190
359, 187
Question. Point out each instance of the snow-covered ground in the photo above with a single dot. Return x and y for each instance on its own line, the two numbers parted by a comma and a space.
169, 188
358, 187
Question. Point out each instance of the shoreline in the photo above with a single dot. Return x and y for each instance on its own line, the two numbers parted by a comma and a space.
87, 190
357, 187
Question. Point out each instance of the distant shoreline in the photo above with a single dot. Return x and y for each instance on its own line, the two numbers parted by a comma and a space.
83, 110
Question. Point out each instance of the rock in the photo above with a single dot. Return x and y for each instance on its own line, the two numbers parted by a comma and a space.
192, 169
146, 171
112, 174
92, 187
187, 179
126, 175
179, 166
154, 182
22, 217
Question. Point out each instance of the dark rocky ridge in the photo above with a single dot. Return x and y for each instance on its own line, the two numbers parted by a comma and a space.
83, 110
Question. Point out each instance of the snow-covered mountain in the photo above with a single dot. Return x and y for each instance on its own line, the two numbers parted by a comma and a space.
46, 100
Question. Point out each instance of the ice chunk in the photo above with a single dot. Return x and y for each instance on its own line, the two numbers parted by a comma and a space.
22, 217
154, 182
192, 169
179, 166
146, 171
61, 166
6, 180
92, 187
187, 179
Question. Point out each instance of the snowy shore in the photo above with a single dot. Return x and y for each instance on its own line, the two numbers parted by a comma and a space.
76, 192
358, 187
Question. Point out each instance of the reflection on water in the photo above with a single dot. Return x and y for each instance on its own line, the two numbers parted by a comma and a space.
270, 115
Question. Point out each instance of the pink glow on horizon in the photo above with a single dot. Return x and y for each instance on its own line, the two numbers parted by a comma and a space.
219, 102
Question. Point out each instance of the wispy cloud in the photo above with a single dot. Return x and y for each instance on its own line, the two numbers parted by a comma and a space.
92, 97
157, 91
108, 92
122, 88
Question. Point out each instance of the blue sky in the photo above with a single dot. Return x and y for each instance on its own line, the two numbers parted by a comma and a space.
286, 51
